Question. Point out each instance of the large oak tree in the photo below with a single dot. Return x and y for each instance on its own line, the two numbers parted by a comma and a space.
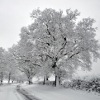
62, 39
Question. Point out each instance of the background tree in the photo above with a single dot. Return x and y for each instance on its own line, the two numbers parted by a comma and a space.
2, 65
23, 55
11, 65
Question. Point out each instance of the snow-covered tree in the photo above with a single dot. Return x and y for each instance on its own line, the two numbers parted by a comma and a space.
23, 55
63, 40
10, 65
2, 65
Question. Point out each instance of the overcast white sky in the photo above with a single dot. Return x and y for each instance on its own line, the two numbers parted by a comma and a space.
15, 14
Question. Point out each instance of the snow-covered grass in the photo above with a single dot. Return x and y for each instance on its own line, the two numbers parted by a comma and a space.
53, 93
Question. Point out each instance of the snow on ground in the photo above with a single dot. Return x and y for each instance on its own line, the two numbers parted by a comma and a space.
53, 93
9, 93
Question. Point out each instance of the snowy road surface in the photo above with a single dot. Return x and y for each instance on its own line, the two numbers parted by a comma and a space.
9, 93
53, 93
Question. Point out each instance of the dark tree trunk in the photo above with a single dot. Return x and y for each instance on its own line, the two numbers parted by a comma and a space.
29, 80
59, 80
55, 80
12, 81
1, 78
45, 80
1, 81
9, 77
56, 83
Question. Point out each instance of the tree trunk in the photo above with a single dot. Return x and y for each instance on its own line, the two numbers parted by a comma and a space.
56, 77
45, 80
56, 81
29, 80
1, 82
1, 78
59, 80
12, 81
9, 77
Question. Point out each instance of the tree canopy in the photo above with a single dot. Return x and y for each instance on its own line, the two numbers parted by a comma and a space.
56, 43
59, 37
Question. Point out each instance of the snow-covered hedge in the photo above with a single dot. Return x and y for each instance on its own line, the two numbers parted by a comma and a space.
91, 85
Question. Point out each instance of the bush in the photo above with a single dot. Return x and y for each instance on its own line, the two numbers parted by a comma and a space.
92, 85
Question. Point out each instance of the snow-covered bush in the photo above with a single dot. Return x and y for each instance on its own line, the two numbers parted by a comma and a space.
90, 85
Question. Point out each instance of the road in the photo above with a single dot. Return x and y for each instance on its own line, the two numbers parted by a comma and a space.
9, 93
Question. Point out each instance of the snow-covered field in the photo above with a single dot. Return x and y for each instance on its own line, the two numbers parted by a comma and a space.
53, 93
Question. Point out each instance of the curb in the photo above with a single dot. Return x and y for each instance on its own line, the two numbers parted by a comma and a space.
26, 94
